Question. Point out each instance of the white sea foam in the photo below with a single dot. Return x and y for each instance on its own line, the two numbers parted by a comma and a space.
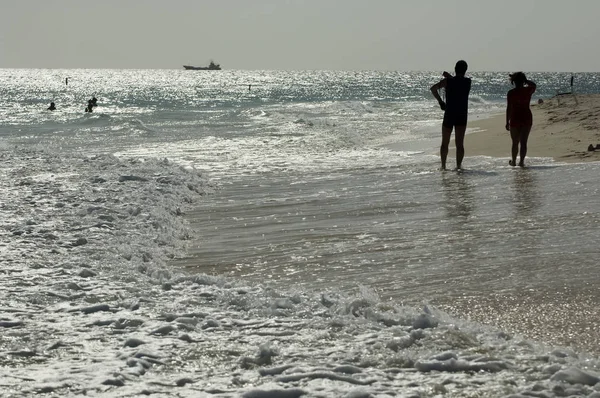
90, 305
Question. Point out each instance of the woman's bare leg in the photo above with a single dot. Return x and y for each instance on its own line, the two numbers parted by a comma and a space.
524, 136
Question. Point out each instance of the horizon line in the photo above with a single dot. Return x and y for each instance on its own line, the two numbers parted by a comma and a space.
300, 70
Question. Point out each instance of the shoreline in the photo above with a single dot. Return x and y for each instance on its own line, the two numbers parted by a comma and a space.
563, 128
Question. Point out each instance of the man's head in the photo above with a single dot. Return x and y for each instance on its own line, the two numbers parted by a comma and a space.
460, 68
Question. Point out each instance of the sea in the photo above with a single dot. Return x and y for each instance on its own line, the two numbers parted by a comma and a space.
283, 234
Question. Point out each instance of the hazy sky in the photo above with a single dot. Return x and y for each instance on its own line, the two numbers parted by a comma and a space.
492, 35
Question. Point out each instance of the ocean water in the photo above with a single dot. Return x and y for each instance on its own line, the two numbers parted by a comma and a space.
194, 236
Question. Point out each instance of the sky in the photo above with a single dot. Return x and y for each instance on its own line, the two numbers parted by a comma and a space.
397, 35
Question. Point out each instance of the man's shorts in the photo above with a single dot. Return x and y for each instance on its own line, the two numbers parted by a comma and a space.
452, 119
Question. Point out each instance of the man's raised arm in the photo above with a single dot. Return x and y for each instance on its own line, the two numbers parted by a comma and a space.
435, 90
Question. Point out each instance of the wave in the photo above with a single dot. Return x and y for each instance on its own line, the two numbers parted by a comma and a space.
478, 99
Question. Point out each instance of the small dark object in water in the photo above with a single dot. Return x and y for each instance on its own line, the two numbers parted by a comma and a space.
591, 148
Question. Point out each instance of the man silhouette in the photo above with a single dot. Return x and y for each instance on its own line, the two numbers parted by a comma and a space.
456, 107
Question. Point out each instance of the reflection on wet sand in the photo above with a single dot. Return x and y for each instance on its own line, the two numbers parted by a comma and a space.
544, 304
459, 205
526, 193
459, 196
526, 240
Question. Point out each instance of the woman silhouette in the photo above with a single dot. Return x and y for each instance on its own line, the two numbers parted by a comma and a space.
518, 115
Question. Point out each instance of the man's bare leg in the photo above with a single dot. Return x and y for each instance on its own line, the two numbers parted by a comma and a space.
446, 133
459, 139
515, 135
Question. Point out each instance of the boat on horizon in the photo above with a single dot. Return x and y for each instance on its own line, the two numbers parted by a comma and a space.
211, 66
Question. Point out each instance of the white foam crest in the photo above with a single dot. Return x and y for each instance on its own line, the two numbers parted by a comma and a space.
478, 99
99, 199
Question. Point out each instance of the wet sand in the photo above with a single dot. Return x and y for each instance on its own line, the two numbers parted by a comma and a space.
557, 315
567, 318
563, 129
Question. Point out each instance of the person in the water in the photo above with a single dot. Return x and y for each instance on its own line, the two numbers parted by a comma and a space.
455, 110
52, 106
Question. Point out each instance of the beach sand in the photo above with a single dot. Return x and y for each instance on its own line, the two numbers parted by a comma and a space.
563, 128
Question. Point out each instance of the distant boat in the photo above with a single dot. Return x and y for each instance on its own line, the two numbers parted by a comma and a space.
211, 66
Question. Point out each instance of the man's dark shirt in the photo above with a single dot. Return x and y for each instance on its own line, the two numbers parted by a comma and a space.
457, 101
